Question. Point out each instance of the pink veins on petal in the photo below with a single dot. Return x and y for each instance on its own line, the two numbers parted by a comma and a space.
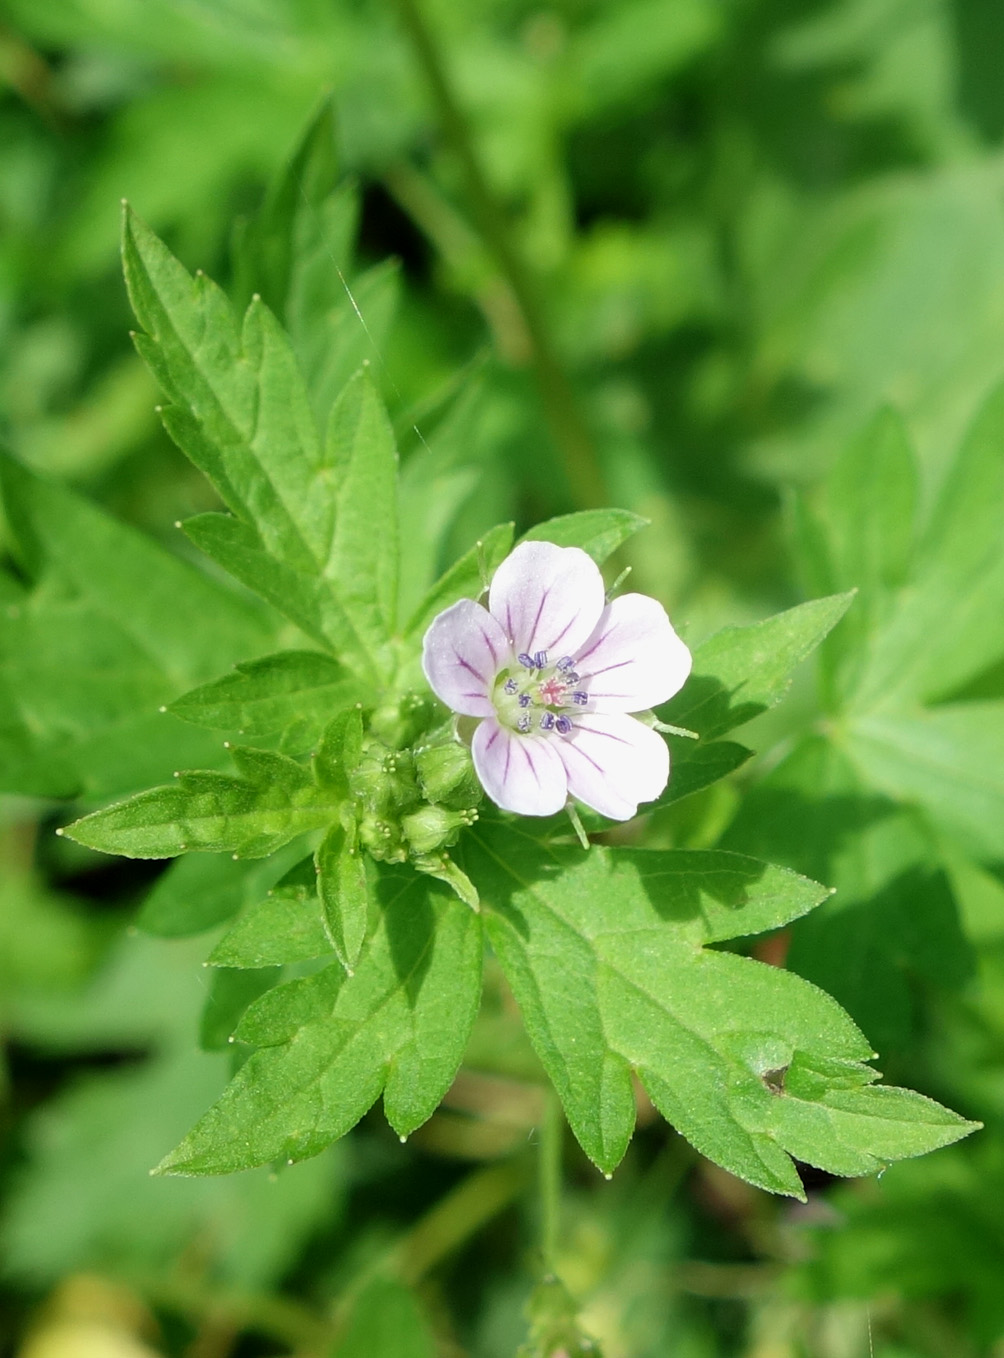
554, 673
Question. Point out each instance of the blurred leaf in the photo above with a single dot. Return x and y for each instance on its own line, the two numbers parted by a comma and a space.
331, 1043
199, 891
741, 671
85, 1198
100, 644
597, 531
386, 1322
893, 918
231, 990
465, 579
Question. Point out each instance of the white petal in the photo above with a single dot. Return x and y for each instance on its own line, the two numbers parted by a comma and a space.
519, 773
614, 762
634, 659
547, 598
463, 651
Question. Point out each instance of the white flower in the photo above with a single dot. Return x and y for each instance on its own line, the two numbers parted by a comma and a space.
554, 671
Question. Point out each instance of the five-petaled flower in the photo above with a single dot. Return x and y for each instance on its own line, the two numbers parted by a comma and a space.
554, 672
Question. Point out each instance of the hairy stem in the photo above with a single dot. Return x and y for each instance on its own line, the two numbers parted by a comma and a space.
552, 1130
568, 426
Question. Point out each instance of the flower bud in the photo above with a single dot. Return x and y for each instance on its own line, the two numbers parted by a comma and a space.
434, 827
446, 774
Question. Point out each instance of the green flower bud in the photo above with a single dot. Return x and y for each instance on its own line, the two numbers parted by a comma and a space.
434, 827
446, 774
382, 839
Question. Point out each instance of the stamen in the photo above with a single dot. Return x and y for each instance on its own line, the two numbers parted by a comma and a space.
565, 663
524, 723
562, 725
539, 660
580, 698
547, 721
524, 700
510, 686
525, 660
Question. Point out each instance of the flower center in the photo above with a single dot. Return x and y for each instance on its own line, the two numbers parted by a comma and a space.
539, 696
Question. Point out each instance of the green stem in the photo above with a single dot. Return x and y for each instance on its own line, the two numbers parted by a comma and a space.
570, 431
552, 1130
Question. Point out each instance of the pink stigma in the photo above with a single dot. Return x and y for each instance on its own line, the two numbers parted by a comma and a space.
552, 692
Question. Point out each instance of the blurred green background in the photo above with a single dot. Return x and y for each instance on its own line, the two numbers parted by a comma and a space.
679, 252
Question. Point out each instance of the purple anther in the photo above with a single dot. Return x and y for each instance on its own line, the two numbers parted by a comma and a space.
562, 725
539, 660
566, 662
510, 686
524, 700
579, 697
524, 722
525, 660
570, 677
547, 721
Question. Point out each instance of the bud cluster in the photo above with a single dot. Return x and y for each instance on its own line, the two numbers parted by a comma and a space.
412, 799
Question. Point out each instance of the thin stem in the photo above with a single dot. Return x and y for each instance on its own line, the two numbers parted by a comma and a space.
570, 431
552, 1130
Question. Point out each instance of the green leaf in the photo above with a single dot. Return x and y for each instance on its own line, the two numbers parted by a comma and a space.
240, 412
602, 951
363, 556
742, 671
274, 693
286, 926
332, 1042
597, 531
240, 407
465, 579
251, 816
344, 893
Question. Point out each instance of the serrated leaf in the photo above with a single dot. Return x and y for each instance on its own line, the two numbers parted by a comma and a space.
251, 816
344, 893
742, 671
332, 1042
364, 550
464, 580
240, 411
599, 532
285, 926
602, 951
271, 694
